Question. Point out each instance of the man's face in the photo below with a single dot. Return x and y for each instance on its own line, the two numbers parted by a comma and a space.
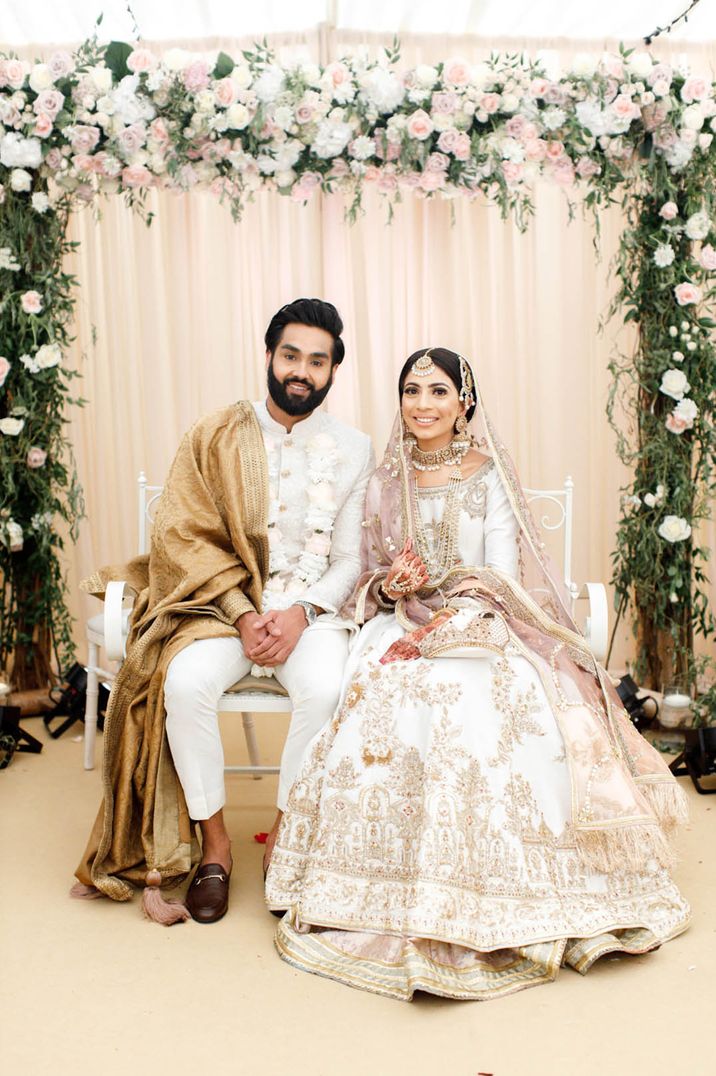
300, 373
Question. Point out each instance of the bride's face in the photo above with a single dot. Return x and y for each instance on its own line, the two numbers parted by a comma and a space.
430, 408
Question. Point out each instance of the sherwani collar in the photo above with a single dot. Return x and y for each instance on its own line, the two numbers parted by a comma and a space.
300, 432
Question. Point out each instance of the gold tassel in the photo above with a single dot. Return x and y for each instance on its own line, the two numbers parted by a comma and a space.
156, 908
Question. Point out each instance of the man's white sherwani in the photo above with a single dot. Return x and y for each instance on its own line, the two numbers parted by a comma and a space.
317, 476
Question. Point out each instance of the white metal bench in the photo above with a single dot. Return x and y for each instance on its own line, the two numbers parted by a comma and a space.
108, 630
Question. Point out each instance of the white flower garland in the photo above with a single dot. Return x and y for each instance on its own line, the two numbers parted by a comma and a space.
322, 459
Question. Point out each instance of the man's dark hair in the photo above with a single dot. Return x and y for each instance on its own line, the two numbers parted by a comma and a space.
308, 312
448, 361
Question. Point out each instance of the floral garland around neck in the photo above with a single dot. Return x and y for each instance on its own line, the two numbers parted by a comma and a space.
279, 593
322, 460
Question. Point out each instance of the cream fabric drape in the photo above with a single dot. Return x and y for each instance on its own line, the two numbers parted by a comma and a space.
180, 309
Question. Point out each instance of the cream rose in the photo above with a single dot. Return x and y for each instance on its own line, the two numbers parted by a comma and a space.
687, 293
238, 116
669, 211
31, 302
141, 61
674, 529
41, 78
674, 384
20, 180
698, 225
11, 427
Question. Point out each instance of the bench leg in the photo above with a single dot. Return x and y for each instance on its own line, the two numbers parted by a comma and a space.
91, 704
251, 745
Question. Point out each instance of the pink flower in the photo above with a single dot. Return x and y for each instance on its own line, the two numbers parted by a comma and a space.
158, 130
669, 210
82, 162
661, 87
43, 125
613, 67
444, 102
461, 152
587, 167
538, 87
12, 73
226, 92
305, 111
448, 140
54, 159
512, 171
196, 76
48, 101
132, 138
84, 139
31, 302
104, 164
306, 186
432, 181
371, 174
515, 127
555, 150
419, 125
136, 175
707, 257
456, 72
387, 182
660, 73
695, 88
676, 424
141, 60
490, 102
36, 457
563, 172
437, 162
536, 150
340, 169
554, 94
338, 73
625, 108
687, 293
4, 369
529, 131
60, 64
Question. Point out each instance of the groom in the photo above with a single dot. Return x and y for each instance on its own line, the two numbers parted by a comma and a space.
255, 546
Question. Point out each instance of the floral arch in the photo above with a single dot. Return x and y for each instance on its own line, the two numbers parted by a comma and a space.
118, 120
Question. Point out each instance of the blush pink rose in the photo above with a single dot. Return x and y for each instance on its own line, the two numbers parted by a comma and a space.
456, 72
196, 76
554, 94
419, 125
431, 181
707, 257
60, 64
84, 138
340, 169
305, 112
371, 174
563, 172
141, 60
665, 136
82, 162
613, 67
448, 140
4, 369
12, 73
661, 87
437, 162
490, 102
675, 424
687, 293
536, 149
36, 457
226, 92
462, 149
338, 73
54, 159
43, 125
387, 182
624, 107
444, 102
695, 88
555, 150
306, 186
515, 127
132, 138
50, 102
512, 171
31, 302
136, 175
104, 164
587, 167
669, 211
538, 87
529, 131
158, 130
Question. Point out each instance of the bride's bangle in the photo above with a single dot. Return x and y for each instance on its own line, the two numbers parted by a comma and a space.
384, 599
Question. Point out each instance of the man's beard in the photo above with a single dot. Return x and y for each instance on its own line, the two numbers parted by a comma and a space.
295, 405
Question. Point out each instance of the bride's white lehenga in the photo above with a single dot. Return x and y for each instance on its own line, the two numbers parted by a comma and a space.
477, 817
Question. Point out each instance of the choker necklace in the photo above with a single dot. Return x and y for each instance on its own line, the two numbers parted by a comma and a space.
449, 456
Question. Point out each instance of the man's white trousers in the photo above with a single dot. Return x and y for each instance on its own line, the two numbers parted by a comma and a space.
199, 675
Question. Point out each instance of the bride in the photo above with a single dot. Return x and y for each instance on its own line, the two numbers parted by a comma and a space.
480, 811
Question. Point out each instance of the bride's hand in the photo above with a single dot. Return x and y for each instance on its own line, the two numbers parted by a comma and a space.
407, 574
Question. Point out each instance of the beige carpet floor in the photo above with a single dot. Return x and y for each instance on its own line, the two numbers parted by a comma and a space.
93, 987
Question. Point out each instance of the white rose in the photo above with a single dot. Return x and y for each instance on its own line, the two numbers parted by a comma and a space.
677, 356
311, 74
674, 529
426, 76
283, 117
18, 152
693, 117
20, 180
40, 202
640, 64
176, 59
14, 535
510, 102
674, 384
238, 116
269, 83
47, 356
101, 78
11, 426
687, 410
584, 65
698, 225
41, 78
205, 101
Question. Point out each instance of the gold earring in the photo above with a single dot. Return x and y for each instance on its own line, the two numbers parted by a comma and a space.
461, 424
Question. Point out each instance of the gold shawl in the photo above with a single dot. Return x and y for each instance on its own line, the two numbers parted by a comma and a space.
208, 564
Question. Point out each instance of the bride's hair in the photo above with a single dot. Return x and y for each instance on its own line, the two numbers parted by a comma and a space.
447, 360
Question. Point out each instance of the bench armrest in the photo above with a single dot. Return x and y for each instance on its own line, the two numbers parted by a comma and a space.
115, 619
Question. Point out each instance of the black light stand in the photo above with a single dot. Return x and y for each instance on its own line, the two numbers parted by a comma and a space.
698, 759
10, 727
72, 701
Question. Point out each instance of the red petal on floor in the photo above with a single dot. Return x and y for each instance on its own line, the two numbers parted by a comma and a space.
261, 838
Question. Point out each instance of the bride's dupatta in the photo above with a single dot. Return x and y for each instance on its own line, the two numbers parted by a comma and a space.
624, 799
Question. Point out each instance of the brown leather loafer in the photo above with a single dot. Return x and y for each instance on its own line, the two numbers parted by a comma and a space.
208, 895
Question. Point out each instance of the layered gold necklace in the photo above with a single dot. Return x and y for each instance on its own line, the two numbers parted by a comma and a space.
439, 554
